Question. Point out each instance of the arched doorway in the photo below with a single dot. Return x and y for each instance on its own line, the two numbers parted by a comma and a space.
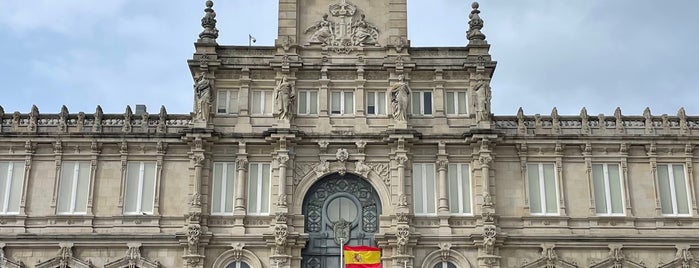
338, 207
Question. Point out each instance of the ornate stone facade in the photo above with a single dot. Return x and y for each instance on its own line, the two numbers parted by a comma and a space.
342, 133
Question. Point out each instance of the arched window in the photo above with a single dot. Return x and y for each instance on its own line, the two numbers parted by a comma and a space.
238, 264
444, 264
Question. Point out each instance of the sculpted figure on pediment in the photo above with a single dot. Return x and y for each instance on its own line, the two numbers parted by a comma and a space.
322, 31
364, 33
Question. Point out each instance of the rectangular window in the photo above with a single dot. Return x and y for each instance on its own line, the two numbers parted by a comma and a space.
11, 187
308, 102
459, 188
223, 188
227, 102
139, 194
674, 193
376, 103
606, 180
422, 102
424, 189
259, 188
73, 188
262, 102
456, 103
543, 193
342, 102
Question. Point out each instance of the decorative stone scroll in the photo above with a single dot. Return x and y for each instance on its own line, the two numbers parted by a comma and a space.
133, 259
617, 259
550, 259
349, 30
65, 259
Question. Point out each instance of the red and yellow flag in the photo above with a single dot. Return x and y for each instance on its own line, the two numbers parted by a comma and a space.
362, 257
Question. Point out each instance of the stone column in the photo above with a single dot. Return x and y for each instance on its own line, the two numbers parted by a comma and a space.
443, 206
400, 191
282, 159
241, 165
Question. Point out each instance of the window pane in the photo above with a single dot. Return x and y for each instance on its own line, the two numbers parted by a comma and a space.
4, 190
453, 189
335, 102
268, 102
466, 188
371, 103
430, 190
615, 190
462, 102
257, 102
381, 103
428, 102
349, 103
599, 187
148, 188
230, 187
221, 101
417, 188
664, 188
252, 188
450, 103
314, 102
264, 202
216, 188
680, 189
550, 187
534, 195
303, 102
131, 189
83, 187
65, 187
233, 104
16, 186
416, 103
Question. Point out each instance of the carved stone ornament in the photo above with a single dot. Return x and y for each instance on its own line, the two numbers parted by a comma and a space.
202, 89
617, 259
128, 116
33, 119
489, 236
162, 116
284, 98
97, 125
237, 251
402, 237
342, 155
65, 259
63, 119
281, 231
348, 30
444, 251
208, 22
193, 235
133, 259
5, 262
549, 259
341, 231
683, 259
475, 24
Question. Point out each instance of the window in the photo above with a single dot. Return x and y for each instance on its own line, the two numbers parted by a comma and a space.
424, 188
223, 188
444, 264
308, 102
227, 102
342, 102
543, 194
376, 103
606, 180
457, 103
73, 188
422, 102
459, 188
262, 102
139, 195
238, 264
258, 189
11, 187
674, 193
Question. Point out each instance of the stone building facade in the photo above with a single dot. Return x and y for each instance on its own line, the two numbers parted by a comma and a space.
342, 133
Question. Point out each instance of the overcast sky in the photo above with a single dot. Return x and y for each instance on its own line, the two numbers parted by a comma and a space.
595, 53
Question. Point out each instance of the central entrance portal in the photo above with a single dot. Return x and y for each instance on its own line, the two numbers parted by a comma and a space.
338, 208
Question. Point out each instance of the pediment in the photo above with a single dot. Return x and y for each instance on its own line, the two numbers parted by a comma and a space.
681, 263
614, 263
545, 263
64, 263
132, 263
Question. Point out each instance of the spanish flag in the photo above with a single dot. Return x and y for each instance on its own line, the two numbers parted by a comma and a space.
362, 257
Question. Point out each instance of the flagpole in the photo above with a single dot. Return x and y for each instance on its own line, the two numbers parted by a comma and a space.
342, 252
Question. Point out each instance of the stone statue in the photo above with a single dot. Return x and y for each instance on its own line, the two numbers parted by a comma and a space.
483, 91
322, 31
400, 98
202, 88
363, 33
284, 97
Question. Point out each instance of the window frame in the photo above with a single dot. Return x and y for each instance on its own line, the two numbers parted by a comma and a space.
10, 181
425, 202
607, 190
673, 190
461, 169
455, 102
223, 194
74, 187
343, 109
141, 180
228, 109
542, 189
377, 111
309, 103
421, 106
263, 102
258, 188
